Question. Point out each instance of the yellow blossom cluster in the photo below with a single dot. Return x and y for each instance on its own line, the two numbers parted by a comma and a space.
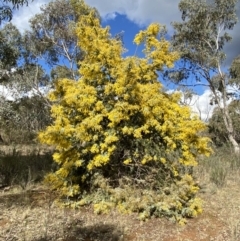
116, 116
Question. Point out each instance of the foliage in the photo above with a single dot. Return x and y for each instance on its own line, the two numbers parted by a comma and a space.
10, 42
201, 38
22, 117
218, 175
203, 33
24, 108
23, 170
174, 201
234, 72
117, 124
21, 120
50, 41
52, 37
7, 7
221, 168
216, 126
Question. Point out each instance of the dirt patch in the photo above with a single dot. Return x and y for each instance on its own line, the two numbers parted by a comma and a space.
33, 215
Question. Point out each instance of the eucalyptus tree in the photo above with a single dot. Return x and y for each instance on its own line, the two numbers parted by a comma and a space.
216, 125
7, 7
235, 74
200, 38
15, 70
21, 82
33, 60
10, 41
52, 37
21, 120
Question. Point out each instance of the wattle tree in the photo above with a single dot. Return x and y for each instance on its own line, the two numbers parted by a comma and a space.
121, 142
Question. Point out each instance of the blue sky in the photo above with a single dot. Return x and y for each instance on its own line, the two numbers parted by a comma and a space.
120, 24
130, 16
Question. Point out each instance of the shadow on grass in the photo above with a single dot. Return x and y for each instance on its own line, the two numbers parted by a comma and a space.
26, 198
98, 232
73, 230
16, 169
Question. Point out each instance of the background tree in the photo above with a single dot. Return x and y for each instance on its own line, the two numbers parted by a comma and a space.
21, 120
200, 38
7, 7
10, 45
21, 80
217, 128
24, 109
31, 62
234, 79
120, 140
52, 37
216, 123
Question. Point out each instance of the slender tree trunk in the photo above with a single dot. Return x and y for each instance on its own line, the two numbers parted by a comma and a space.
230, 130
225, 112
234, 143
226, 116
1, 139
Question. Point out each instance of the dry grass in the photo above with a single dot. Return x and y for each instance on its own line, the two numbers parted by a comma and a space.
32, 215
24, 150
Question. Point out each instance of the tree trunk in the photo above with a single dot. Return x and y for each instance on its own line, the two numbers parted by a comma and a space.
225, 112
1, 139
229, 126
234, 143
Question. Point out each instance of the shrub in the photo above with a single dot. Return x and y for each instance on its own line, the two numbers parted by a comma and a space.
116, 130
18, 169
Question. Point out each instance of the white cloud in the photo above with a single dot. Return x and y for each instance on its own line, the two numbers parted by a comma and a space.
5, 93
200, 104
110, 16
141, 12
22, 16
13, 93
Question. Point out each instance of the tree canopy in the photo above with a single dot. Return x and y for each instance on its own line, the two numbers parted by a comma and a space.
7, 7
31, 61
52, 37
200, 38
115, 128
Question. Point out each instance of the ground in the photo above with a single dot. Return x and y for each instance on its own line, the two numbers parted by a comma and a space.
29, 212
32, 215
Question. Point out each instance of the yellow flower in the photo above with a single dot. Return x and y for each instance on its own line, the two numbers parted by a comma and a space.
163, 160
116, 114
127, 161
